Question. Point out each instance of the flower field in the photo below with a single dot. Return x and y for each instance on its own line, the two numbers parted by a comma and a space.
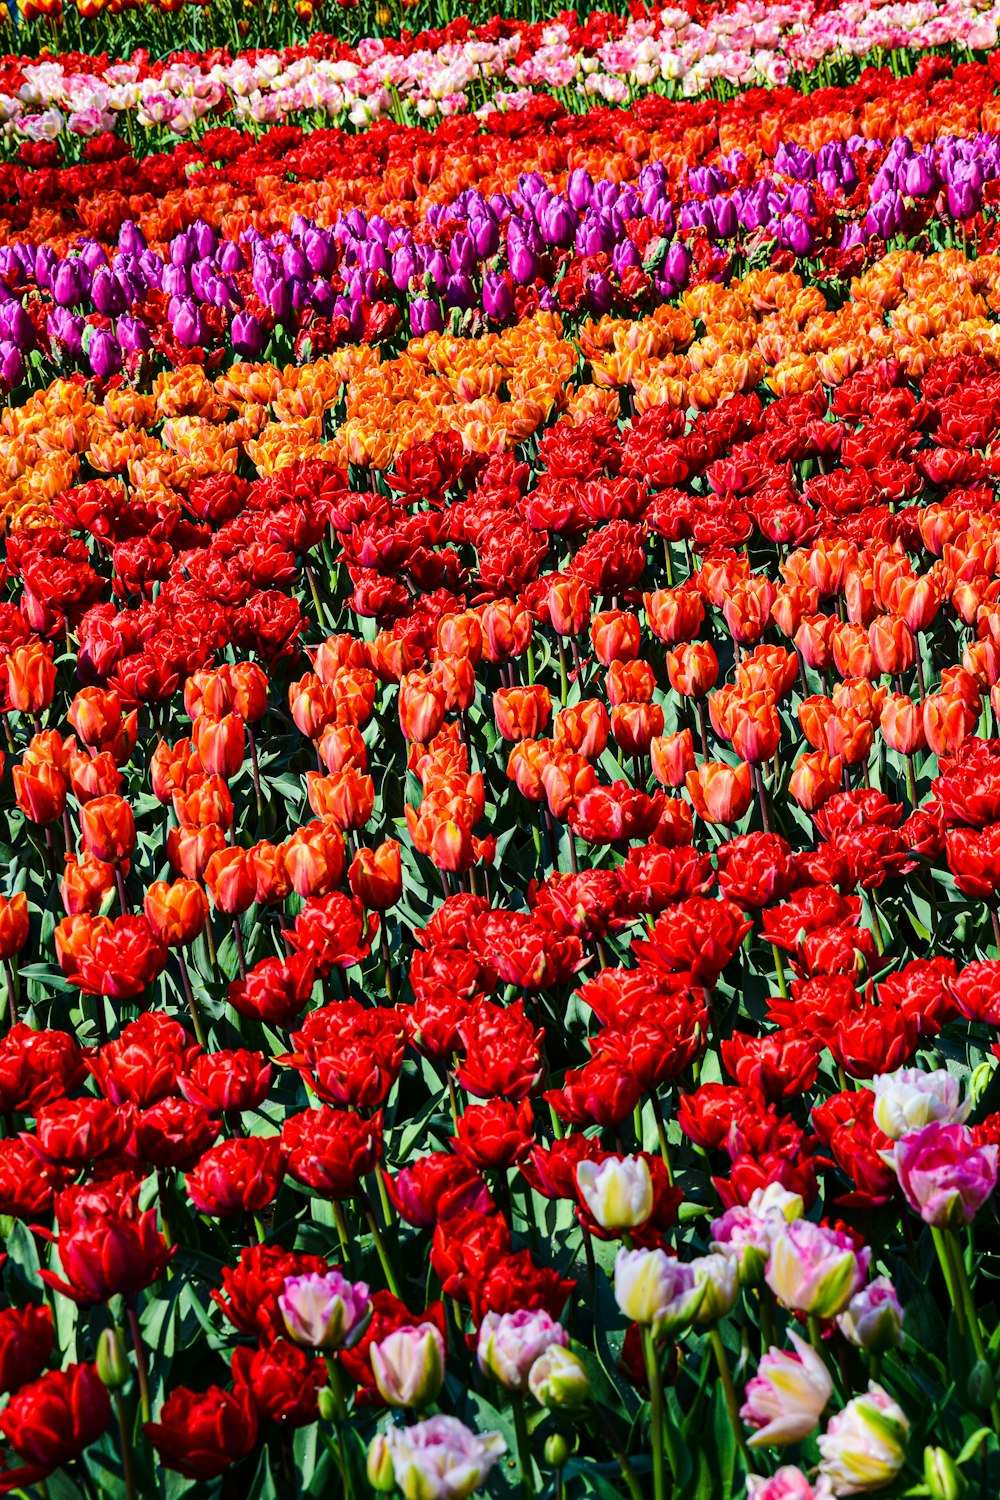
500, 788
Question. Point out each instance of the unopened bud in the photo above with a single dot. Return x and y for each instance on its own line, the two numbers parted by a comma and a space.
941, 1475
982, 1386
326, 1404
381, 1476
112, 1361
556, 1451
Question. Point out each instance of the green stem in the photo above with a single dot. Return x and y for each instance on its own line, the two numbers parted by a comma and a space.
964, 1289
383, 1254
779, 969
729, 1391
942, 1246
657, 1416
628, 1473
140, 1360
524, 1463
661, 1131
128, 1468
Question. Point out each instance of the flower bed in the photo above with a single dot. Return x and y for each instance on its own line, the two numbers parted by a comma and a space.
501, 804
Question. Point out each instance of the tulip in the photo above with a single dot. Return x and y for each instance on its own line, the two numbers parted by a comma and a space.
654, 1289
864, 1446
439, 1459
815, 1270
510, 1343
672, 757
717, 1275
376, 876
873, 1319
617, 1191
13, 925
325, 1311
107, 827
408, 1365
31, 678
177, 913
815, 779
558, 1379
522, 712
50, 1422
943, 1175
787, 1396
909, 1099
220, 744
720, 793
787, 1483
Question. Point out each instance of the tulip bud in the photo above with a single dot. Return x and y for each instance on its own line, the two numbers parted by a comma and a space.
873, 1319
556, 1451
558, 1379
381, 1475
408, 1365
112, 1361
617, 1191
717, 1275
326, 1404
982, 1386
941, 1475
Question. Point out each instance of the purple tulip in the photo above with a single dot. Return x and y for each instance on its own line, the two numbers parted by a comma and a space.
11, 365
795, 233
247, 334
599, 292
175, 281
460, 292
498, 297
69, 284
132, 334
462, 254
131, 240
625, 254
580, 188
104, 354
16, 326
944, 1176
204, 239
522, 258
189, 325
92, 254
558, 222
964, 200
425, 317
404, 266
107, 292
294, 263
485, 234
229, 258
66, 328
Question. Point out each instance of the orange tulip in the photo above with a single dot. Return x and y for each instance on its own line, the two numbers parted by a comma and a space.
583, 727
902, 724
90, 778
674, 615
507, 630
96, 715
630, 682
693, 669
247, 683
346, 798
815, 779
40, 791
273, 882
615, 635
231, 880
567, 605
422, 704
756, 729
31, 678
814, 639
13, 924
177, 913
525, 765
893, 645
520, 712
107, 827
314, 859
170, 767
635, 726
313, 705
376, 876
461, 635
720, 793
189, 849
85, 883
341, 745
220, 744
673, 757
948, 721
205, 800
565, 779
